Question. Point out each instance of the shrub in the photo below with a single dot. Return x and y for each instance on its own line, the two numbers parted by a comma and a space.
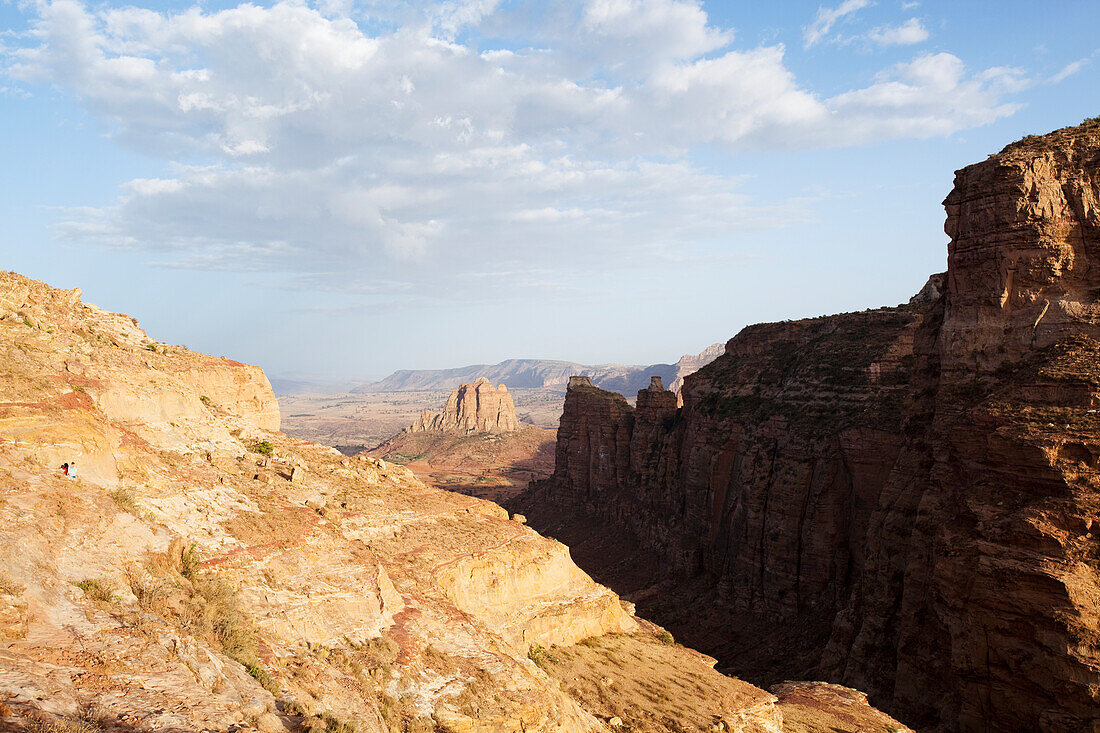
151, 347
189, 562
264, 447
96, 590
259, 674
665, 637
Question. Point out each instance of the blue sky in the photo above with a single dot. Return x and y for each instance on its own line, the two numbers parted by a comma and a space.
343, 188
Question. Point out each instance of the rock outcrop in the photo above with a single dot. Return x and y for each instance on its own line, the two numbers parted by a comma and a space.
476, 445
905, 499
472, 408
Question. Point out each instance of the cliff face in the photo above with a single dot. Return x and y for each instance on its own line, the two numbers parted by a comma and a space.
906, 497
472, 408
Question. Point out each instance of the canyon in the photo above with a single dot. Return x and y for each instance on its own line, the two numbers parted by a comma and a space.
196, 569
904, 500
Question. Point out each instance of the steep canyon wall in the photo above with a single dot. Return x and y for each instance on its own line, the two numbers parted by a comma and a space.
907, 497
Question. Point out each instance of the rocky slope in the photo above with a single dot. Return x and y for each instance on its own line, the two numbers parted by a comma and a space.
203, 571
903, 500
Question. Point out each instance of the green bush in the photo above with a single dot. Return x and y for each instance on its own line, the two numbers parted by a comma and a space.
264, 447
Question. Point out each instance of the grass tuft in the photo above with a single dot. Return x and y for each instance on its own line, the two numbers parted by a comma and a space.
541, 656
97, 590
205, 606
125, 501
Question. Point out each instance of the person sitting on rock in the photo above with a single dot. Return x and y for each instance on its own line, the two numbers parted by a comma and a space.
65, 468
72, 470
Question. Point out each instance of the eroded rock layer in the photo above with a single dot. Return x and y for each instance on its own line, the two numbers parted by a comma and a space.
909, 498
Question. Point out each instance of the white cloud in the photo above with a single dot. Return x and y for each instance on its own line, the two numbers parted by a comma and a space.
409, 154
826, 18
931, 95
910, 32
1070, 69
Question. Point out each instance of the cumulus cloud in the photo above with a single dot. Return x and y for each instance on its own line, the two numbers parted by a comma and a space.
297, 140
910, 32
826, 18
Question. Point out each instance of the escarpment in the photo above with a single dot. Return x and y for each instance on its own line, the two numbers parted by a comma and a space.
903, 500
200, 571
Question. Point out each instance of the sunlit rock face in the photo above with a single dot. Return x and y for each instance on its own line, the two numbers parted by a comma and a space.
472, 408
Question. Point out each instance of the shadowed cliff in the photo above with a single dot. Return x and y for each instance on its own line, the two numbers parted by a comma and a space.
903, 500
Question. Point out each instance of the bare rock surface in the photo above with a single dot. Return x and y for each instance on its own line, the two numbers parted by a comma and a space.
478, 407
903, 500
204, 572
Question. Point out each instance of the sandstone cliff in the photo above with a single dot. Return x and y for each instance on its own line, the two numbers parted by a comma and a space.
472, 408
903, 500
204, 572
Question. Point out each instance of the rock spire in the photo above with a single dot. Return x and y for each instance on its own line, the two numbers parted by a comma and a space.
472, 408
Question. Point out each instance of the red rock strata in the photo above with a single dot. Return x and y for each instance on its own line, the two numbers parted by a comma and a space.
907, 498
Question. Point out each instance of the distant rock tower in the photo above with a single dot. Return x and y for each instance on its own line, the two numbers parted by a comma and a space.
472, 408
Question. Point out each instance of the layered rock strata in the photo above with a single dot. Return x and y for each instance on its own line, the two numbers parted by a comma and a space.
472, 408
203, 571
909, 497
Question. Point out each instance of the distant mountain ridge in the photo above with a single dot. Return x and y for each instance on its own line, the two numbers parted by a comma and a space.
544, 374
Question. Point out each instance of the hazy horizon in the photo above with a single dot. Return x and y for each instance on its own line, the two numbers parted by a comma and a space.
342, 189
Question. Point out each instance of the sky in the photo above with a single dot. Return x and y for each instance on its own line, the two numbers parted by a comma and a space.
339, 188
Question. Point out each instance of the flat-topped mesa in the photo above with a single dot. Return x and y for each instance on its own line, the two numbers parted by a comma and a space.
472, 408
